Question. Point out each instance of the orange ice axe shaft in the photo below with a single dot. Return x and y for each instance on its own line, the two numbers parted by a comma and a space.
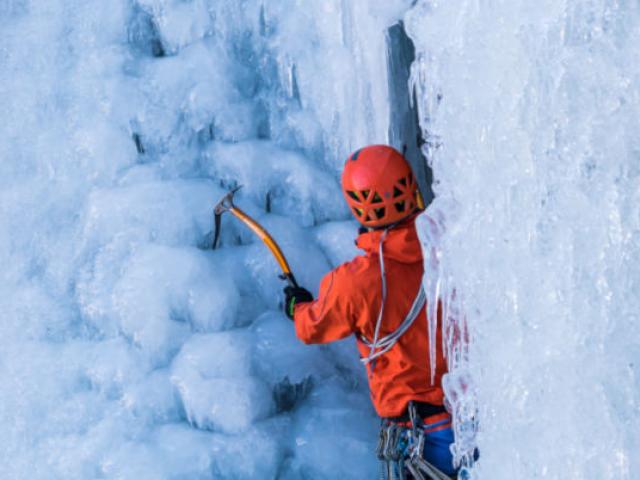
226, 205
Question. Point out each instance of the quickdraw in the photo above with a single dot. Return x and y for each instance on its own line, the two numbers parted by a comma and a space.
400, 450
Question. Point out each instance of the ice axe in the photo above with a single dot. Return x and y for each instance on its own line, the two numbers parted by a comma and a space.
226, 205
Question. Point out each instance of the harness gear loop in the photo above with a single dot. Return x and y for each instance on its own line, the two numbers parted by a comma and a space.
416, 421
401, 448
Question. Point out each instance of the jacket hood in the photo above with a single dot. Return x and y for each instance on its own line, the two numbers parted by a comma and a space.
401, 243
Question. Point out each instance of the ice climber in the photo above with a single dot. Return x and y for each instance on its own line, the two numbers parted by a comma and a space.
378, 297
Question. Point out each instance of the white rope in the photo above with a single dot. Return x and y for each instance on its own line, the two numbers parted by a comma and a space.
376, 332
383, 345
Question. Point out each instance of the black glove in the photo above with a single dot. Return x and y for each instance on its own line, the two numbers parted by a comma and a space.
293, 296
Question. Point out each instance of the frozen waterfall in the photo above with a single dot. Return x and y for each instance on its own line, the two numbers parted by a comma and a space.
129, 349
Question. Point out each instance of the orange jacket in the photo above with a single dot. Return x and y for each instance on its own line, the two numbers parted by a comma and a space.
349, 302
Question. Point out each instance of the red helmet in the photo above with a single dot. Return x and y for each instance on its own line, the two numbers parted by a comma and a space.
379, 186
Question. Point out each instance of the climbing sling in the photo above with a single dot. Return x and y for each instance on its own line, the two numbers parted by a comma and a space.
379, 346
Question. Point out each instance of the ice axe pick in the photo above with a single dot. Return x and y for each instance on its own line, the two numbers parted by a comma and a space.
226, 205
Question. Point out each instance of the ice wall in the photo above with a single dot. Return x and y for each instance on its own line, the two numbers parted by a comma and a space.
531, 112
128, 349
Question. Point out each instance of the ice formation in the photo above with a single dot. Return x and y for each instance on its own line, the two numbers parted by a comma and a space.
530, 111
129, 349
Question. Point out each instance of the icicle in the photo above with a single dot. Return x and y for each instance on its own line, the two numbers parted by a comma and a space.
429, 233
445, 319
432, 320
442, 297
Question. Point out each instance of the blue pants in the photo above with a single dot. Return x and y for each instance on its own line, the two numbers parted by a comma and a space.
436, 448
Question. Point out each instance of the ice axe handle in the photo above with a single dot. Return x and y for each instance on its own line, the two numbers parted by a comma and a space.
291, 280
226, 205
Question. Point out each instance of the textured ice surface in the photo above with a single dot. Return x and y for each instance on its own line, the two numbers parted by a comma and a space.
531, 114
129, 349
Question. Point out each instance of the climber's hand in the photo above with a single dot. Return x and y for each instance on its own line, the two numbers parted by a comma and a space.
293, 296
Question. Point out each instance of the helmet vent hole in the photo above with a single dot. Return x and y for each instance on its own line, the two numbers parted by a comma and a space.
379, 212
396, 192
400, 206
353, 195
376, 198
365, 194
357, 211
403, 182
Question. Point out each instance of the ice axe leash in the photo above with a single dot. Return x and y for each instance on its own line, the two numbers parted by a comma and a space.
226, 205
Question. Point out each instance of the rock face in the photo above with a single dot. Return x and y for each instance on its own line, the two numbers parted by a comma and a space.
405, 133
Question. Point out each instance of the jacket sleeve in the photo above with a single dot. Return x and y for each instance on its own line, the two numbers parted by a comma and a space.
331, 316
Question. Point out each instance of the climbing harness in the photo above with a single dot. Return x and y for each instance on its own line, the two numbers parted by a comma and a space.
400, 450
379, 346
226, 205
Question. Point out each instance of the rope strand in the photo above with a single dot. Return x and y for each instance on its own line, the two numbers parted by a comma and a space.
380, 346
